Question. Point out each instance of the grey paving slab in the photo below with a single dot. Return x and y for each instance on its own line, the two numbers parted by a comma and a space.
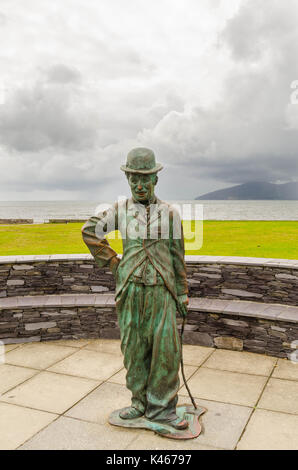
50, 392
245, 363
98, 405
17, 424
110, 346
280, 395
71, 434
38, 355
269, 430
90, 364
225, 386
147, 440
10, 347
222, 424
10, 376
229, 395
286, 369
72, 343
195, 355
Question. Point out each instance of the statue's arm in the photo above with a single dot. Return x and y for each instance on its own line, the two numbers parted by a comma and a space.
178, 253
94, 236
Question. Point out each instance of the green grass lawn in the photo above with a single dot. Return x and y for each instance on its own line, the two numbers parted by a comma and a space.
268, 239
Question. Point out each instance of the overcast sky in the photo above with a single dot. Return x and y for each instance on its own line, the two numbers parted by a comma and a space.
206, 84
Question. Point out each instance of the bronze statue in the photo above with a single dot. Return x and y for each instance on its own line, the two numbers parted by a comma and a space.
151, 285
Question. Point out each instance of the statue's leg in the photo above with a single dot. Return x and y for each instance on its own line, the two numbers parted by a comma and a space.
163, 382
134, 346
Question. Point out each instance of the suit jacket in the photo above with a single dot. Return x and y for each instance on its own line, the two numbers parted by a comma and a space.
151, 234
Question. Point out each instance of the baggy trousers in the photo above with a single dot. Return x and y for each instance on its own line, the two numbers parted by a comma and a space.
151, 347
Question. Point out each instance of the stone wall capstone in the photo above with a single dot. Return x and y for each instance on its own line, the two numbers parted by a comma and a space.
261, 280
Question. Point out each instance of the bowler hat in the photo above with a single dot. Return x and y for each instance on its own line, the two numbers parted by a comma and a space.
141, 160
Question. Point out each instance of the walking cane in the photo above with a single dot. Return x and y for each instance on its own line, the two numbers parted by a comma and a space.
183, 312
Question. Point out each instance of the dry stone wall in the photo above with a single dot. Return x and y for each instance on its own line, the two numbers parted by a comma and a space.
47, 318
51, 303
213, 277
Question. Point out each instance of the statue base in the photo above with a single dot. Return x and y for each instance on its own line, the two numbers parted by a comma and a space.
187, 412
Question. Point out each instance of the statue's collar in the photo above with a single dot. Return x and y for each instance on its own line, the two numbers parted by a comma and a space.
154, 200
138, 210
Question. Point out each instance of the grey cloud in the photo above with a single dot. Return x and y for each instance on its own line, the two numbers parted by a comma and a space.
44, 116
73, 137
258, 26
61, 73
115, 60
251, 132
253, 168
3, 19
72, 127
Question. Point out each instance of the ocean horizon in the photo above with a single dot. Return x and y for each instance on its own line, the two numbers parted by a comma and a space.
41, 211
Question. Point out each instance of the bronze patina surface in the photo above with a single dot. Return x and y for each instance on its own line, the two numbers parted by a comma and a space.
184, 412
151, 285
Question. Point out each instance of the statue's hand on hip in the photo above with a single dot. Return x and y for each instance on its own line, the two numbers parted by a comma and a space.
114, 262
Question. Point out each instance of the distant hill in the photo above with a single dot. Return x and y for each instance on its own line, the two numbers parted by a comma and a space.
255, 191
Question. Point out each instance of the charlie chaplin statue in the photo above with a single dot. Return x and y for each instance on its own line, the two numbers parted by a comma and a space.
151, 286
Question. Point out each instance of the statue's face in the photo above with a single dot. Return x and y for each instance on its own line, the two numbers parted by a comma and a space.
142, 186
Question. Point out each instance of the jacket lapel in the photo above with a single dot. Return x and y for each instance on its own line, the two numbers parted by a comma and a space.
137, 211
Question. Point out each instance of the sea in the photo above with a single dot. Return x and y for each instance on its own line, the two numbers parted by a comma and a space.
42, 211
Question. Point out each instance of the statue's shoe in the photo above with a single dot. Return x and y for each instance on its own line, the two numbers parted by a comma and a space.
130, 413
176, 423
